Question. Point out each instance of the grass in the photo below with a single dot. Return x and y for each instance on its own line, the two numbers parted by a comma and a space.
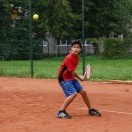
102, 69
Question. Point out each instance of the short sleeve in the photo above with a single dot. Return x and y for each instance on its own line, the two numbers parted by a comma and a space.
70, 64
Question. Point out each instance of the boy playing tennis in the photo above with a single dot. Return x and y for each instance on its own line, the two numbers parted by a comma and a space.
70, 85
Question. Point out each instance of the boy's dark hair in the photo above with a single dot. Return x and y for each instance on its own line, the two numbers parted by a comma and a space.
76, 42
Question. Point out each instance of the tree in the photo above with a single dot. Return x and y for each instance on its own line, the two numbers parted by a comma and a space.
55, 17
62, 18
105, 16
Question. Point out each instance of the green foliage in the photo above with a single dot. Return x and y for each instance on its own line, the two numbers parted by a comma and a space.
113, 48
55, 17
94, 40
128, 40
105, 16
14, 34
62, 18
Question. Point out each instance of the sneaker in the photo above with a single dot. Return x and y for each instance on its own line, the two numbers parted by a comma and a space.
63, 114
94, 112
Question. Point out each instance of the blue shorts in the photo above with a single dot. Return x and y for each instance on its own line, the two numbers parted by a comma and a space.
70, 87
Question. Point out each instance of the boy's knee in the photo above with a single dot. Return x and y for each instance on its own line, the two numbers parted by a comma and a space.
75, 94
83, 93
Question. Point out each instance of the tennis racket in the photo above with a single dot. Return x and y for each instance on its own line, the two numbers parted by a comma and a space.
87, 73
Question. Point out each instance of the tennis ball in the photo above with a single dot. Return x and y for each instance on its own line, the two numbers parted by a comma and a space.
35, 16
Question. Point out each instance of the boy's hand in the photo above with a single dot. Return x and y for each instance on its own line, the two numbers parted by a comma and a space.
82, 78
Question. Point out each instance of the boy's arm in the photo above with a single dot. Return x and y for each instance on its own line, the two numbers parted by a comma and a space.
81, 78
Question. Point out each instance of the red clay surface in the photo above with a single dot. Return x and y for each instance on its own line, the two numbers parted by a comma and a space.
30, 105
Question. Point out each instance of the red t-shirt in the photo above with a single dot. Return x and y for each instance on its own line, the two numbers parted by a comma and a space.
68, 66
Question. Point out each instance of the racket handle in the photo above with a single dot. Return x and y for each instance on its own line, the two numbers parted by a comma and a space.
85, 75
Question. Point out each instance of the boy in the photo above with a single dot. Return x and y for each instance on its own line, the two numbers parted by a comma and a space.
69, 84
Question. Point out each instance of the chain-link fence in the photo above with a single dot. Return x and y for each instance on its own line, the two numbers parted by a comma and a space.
18, 57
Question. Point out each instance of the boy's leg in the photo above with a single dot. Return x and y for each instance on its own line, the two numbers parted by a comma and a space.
91, 111
70, 93
81, 90
85, 98
67, 101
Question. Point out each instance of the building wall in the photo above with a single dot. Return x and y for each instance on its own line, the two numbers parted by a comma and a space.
50, 46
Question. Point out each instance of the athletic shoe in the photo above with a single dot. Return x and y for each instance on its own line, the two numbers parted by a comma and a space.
94, 112
63, 114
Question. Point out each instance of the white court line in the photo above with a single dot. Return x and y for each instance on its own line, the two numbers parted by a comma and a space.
118, 112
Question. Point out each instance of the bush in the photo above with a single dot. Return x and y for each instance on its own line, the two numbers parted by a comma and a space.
128, 40
113, 48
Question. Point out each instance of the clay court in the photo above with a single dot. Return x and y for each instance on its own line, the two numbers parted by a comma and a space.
30, 105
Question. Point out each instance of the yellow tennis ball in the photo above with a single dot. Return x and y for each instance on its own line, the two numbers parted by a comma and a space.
35, 16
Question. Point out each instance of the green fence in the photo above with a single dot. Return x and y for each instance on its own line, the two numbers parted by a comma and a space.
102, 69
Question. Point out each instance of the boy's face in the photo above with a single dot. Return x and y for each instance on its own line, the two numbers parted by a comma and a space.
76, 49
